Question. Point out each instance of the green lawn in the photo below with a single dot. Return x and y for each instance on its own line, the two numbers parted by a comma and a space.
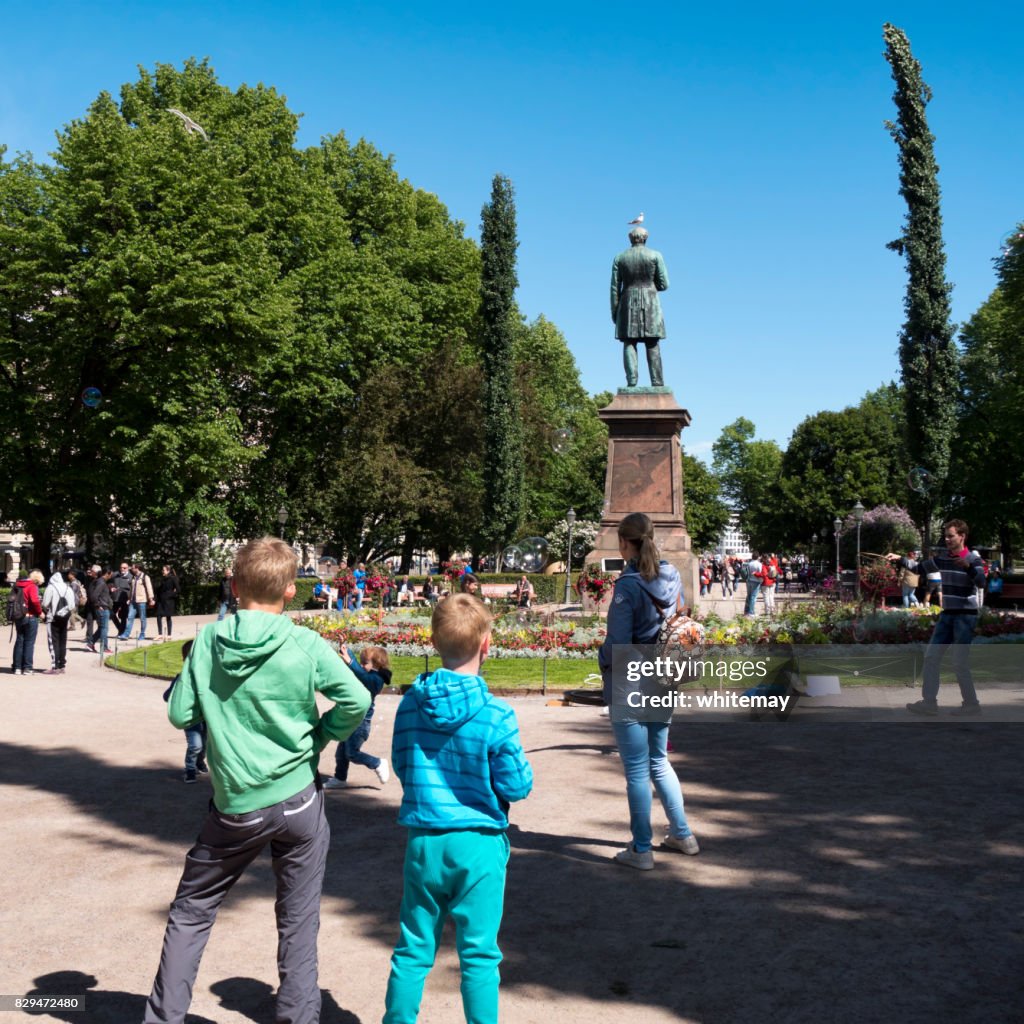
163, 661
989, 663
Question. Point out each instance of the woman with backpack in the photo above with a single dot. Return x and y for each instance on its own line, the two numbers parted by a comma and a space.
23, 612
645, 593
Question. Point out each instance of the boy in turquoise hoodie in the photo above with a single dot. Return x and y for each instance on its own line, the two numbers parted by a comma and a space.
253, 680
457, 752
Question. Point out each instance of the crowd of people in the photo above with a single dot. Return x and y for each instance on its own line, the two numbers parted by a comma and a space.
98, 598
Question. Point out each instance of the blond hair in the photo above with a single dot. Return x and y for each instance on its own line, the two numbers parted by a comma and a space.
639, 530
36, 577
263, 570
459, 626
376, 657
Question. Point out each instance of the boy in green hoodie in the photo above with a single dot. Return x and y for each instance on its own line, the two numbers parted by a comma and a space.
253, 680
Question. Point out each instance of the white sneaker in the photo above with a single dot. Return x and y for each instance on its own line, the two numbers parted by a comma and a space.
687, 844
383, 771
333, 783
631, 858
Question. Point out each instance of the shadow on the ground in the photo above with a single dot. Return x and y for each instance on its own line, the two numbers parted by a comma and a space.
102, 1006
861, 873
255, 999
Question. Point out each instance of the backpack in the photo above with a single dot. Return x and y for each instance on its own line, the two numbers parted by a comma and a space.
16, 607
679, 640
743, 573
80, 596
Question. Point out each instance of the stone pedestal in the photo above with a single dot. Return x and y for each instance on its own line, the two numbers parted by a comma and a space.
645, 474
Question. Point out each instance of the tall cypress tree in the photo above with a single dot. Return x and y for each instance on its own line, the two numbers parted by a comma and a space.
503, 460
928, 355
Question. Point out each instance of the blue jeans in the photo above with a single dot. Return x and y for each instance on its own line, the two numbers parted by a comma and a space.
99, 634
195, 740
958, 631
753, 588
25, 644
350, 751
909, 596
135, 608
359, 595
643, 749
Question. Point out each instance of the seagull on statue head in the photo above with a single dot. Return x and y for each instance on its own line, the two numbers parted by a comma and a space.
639, 219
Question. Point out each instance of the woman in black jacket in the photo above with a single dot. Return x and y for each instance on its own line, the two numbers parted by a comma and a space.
167, 591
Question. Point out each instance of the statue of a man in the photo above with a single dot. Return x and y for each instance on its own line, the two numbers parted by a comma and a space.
638, 274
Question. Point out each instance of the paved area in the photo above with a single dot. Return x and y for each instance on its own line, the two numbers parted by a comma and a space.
849, 872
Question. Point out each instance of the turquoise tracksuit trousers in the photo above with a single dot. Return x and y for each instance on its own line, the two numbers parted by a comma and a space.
461, 874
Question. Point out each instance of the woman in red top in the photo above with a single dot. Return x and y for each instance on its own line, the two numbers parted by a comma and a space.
768, 575
27, 626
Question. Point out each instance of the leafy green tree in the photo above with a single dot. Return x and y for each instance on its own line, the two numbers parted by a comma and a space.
503, 460
835, 459
405, 473
987, 477
565, 444
748, 471
928, 355
160, 295
707, 515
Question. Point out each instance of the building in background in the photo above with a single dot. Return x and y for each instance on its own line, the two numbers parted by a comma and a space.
733, 543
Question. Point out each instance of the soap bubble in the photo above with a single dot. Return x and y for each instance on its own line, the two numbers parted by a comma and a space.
535, 553
561, 440
512, 556
919, 480
92, 397
1008, 240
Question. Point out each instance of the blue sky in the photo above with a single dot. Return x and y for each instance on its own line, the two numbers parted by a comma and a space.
751, 137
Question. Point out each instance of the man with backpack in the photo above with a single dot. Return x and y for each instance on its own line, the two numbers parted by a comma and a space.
23, 612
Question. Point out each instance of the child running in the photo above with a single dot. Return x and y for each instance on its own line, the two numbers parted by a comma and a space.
373, 670
253, 678
195, 734
457, 752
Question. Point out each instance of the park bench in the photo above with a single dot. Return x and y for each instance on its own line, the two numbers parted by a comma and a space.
497, 592
1012, 593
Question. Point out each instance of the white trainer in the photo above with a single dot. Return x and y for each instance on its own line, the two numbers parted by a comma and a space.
687, 844
631, 858
383, 771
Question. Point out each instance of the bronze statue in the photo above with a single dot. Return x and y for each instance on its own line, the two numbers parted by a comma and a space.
638, 274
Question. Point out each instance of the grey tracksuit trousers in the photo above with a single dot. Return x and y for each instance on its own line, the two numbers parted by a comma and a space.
299, 835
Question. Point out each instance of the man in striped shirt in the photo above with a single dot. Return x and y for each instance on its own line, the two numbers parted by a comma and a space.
962, 572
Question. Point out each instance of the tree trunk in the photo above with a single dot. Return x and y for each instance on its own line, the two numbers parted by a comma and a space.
42, 545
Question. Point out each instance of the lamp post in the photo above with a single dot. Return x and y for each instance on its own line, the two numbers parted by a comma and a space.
570, 518
858, 515
837, 523
282, 518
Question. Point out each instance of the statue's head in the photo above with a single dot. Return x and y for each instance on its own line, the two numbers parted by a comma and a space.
638, 236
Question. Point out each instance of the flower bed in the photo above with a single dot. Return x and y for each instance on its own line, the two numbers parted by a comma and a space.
817, 622
825, 622
515, 640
